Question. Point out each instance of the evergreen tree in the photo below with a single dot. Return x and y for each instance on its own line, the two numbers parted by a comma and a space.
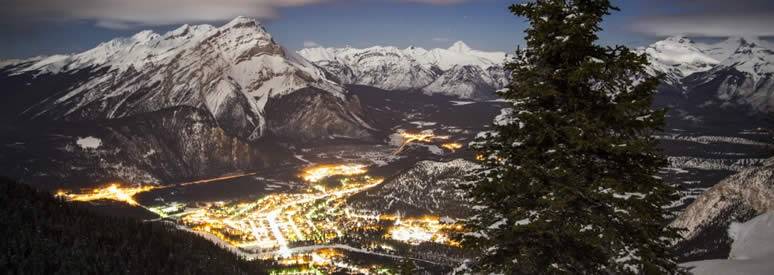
407, 267
569, 180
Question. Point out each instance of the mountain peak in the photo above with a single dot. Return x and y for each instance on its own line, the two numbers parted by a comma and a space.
191, 30
242, 21
459, 47
744, 41
145, 36
680, 39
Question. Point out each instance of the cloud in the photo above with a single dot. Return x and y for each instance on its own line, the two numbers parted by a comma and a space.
437, 2
441, 39
128, 13
123, 14
708, 25
311, 44
709, 18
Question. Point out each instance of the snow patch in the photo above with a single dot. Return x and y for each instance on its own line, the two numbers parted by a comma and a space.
89, 143
752, 251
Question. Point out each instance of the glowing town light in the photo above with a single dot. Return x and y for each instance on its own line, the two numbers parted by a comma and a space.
276, 221
317, 173
452, 146
410, 234
419, 230
424, 137
111, 192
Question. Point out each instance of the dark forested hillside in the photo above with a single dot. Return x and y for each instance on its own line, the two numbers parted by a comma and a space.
45, 235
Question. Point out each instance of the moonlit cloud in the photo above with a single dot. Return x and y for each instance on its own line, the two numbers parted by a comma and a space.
709, 18
437, 2
709, 26
124, 14
128, 13
311, 44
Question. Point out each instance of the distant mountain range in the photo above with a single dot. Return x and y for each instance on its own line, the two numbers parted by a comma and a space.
236, 70
458, 71
734, 72
197, 91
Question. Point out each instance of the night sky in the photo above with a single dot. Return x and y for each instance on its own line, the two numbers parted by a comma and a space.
36, 27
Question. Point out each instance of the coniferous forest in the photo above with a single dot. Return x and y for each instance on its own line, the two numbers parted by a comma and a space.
46, 235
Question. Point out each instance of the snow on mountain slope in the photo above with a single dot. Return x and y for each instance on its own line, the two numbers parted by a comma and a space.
468, 81
736, 71
745, 77
752, 251
723, 49
753, 187
678, 57
460, 54
231, 71
751, 57
457, 71
427, 187
750, 191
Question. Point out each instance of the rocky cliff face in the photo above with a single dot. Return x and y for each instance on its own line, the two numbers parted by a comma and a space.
736, 198
310, 114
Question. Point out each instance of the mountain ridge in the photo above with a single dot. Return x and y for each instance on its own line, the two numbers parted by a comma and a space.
231, 71
456, 71
734, 72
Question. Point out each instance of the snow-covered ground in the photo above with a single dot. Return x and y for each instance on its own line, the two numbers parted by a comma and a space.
89, 143
751, 253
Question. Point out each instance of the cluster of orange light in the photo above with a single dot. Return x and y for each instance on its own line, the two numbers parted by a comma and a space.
424, 136
452, 146
272, 223
114, 191
424, 229
317, 173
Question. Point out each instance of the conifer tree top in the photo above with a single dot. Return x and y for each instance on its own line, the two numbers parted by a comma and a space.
569, 180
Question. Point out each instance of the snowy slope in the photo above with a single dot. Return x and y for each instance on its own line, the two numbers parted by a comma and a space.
231, 71
744, 77
752, 251
734, 72
457, 71
749, 192
678, 57
428, 187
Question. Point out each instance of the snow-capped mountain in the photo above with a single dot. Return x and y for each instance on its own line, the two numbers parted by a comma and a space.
678, 57
232, 71
734, 72
457, 71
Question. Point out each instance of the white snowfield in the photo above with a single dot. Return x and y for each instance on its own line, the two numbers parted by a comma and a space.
752, 252
458, 71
